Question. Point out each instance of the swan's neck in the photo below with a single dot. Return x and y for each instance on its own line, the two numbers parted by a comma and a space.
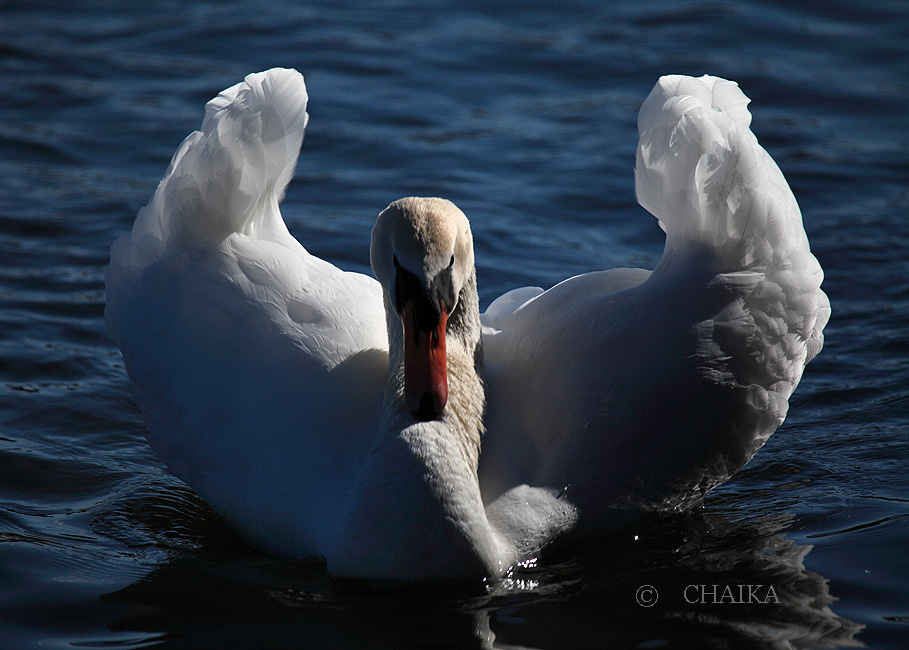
417, 509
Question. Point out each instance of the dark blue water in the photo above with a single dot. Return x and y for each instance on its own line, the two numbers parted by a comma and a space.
523, 113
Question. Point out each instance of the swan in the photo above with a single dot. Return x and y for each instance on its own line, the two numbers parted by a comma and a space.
389, 427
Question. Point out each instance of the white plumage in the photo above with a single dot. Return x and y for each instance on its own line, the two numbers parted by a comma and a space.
263, 372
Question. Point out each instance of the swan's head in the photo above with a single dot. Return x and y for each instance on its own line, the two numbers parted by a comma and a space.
422, 254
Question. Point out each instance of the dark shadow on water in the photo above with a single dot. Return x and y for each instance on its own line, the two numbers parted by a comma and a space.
696, 581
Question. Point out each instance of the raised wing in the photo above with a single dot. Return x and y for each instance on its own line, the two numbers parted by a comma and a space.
638, 391
258, 367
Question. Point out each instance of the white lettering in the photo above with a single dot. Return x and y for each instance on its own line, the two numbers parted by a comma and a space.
726, 594
752, 594
688, 600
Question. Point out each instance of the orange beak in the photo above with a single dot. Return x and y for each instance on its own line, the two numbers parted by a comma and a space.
425, 365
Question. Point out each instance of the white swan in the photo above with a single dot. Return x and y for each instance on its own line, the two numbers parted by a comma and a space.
323, 413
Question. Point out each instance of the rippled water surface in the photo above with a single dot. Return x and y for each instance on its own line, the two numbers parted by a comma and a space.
523, 113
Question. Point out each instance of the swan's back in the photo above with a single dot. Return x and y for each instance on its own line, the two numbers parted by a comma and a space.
635, 390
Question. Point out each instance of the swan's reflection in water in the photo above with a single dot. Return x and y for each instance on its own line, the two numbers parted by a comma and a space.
696, 582
715, 584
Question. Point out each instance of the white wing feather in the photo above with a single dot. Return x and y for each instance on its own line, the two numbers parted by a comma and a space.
259, 368
633, 390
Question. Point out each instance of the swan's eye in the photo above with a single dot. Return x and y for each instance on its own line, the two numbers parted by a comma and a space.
451, 263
